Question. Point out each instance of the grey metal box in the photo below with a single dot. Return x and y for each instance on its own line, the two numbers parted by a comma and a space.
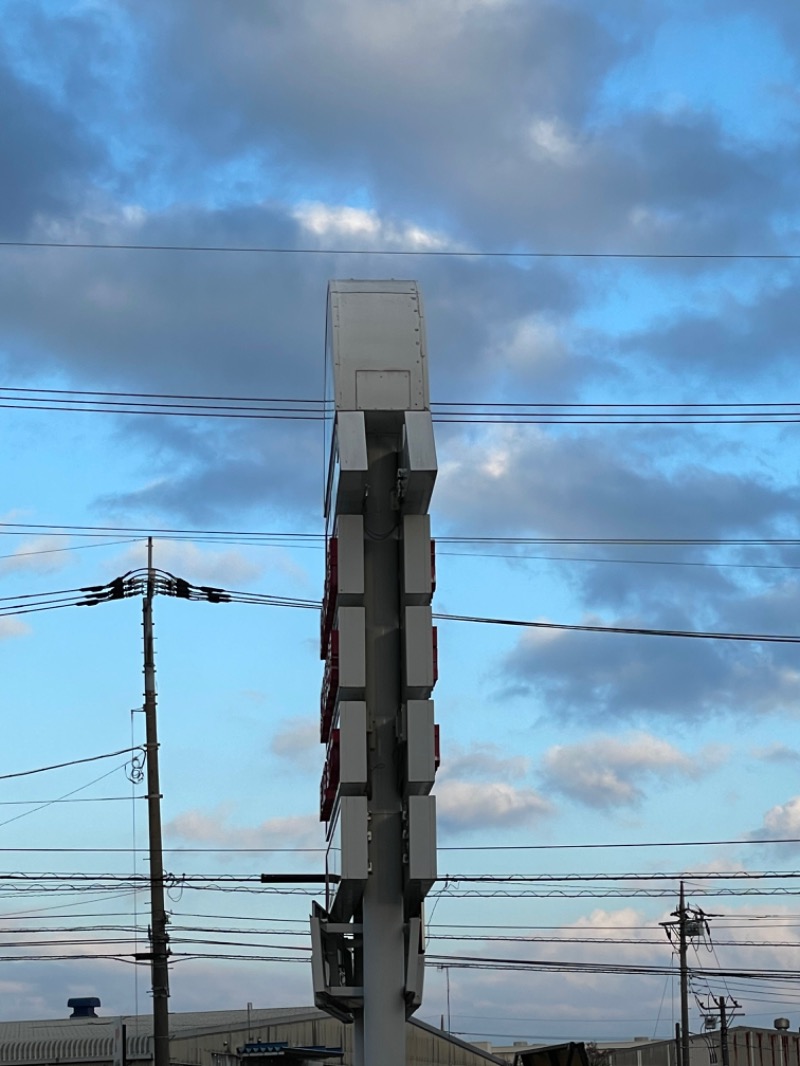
376, 334
417, 586
350, 624
347, 477
419, 735
354, 835
418, 461
352, 748
350, 556
418, 662
348, 849
422, 839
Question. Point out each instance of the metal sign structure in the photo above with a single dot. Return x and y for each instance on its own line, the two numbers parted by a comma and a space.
379, 647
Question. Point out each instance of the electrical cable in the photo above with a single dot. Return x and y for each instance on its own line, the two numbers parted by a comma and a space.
440, 253
242, 536
72, 762
636, 631
72, 548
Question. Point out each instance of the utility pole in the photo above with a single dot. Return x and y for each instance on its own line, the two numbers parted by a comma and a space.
683, 928
684, 971
691, 923
723, 1030
159, 939
718, 1005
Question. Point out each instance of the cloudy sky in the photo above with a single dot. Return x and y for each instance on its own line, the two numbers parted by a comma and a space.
600, 203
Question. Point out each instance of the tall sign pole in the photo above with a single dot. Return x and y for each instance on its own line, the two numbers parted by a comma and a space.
159, 940
379, 647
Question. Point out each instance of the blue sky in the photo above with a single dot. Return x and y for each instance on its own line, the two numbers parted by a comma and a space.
469, 125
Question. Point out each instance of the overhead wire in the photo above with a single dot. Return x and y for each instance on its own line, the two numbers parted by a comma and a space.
318, 538
419, 253
71, 762
500, 413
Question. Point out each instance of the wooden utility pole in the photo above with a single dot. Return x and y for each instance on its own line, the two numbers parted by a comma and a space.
159, 939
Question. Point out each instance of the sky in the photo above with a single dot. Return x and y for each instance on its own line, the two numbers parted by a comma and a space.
600, 204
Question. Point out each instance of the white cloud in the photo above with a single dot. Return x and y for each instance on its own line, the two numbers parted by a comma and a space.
484, 761
609, 771
228, 568
41, 555
13, 627
474, 790
466, 805
782, 820
298, 742
331, 221
213, 827
550, 139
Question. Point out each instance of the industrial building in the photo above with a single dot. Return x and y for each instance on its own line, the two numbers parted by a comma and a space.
285, 1036
746, 1047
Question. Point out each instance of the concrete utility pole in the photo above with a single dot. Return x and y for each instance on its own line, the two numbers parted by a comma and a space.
691, 923
683, 928
159, 939
684, 971
723, 1030
718, 1005
379, 647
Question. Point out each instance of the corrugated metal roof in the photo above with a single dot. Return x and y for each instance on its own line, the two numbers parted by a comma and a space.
87, 1039
92, 1039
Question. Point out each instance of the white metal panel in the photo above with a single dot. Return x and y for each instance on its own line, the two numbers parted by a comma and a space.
349, 476
353, 837
418, 461
352, 661
418, 652
377, 335
350, 556
416, 586
383, 390
422, 840
352, 747
420, 739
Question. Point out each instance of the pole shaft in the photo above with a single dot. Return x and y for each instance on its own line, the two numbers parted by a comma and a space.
723, 1030
384, 1013
158, 917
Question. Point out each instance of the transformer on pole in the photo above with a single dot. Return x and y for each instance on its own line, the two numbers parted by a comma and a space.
379, 647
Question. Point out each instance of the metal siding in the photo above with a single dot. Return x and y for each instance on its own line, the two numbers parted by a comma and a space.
198, 1038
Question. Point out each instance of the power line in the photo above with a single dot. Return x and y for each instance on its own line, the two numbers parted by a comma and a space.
624, 844
427, 253
444, 418
72, 762
63, 529
170, 585
452, 847
636, 631
688, 875
72, 548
